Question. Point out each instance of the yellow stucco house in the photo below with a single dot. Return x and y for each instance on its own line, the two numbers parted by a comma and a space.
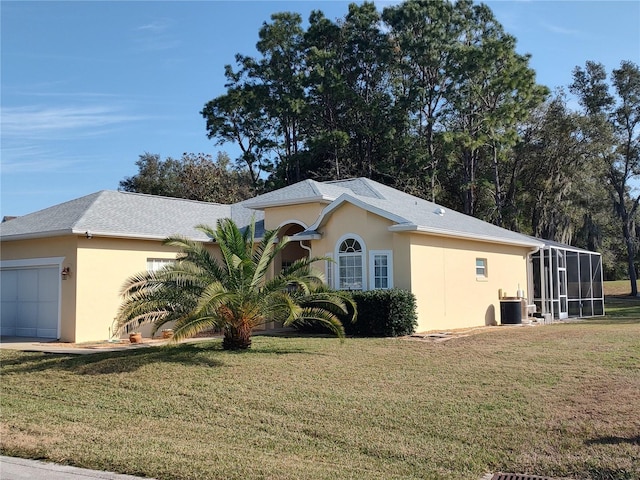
63, 267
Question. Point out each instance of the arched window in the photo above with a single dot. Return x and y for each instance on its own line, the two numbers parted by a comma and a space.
351, 264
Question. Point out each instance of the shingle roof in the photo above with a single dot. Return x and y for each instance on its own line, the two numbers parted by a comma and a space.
411, 213
134, 215
123, 214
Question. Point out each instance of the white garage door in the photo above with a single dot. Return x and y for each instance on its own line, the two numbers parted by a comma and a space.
30, 302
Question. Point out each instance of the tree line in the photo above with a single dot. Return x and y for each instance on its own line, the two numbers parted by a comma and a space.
432, 98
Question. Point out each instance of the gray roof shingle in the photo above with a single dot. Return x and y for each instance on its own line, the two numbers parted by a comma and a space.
123, 214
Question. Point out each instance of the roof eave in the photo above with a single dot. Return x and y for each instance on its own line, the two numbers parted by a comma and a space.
290, 201
129, 236
306, 236
465, 236
35, 235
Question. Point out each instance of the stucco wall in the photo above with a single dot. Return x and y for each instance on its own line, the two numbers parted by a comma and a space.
449, 294
64, 247
349, 219
103, 266
440, 271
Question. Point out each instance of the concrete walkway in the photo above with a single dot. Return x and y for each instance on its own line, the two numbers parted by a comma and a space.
12, 468
25, 344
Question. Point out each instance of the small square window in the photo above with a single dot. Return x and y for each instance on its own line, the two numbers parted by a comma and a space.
481, 267
155, 264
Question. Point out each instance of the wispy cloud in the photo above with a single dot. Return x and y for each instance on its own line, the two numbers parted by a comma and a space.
155, 36
560, 30
157, 26
37, 122
48, 163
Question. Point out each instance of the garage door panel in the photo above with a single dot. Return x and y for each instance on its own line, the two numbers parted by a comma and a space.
28, 285
8, 317
28, 314
47, 332
26, 332
47, 315
48, 285
9, 285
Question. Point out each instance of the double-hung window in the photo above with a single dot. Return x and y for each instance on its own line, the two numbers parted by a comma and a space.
481, 268
380, 269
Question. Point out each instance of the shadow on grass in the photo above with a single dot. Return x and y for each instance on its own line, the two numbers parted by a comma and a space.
207, 354
613, 440
613, 320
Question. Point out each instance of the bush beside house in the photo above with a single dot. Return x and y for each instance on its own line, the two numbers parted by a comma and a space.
383, 313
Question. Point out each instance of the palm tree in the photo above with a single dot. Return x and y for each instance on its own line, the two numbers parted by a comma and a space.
234, 293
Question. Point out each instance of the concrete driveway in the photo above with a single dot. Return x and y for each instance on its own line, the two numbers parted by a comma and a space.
12, 468
27, 344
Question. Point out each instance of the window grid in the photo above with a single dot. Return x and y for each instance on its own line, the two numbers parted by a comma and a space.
329, 269
155, 264
380, 271
481, 267
350, 265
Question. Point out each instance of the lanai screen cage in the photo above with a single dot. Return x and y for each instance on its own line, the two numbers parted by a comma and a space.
567, 281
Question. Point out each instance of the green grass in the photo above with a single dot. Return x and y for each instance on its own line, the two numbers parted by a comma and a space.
559, 400
617, 287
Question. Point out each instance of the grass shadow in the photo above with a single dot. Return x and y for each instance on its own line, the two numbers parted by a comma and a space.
612, 320
610, 440
115, 362
206, 353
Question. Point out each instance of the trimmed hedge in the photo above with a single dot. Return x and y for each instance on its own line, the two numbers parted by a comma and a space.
383, 313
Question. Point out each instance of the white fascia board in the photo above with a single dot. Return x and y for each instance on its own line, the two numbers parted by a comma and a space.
287, 202
467, 236
306, 236
138, 236
95, 233
35, 235
130, 236
346, 198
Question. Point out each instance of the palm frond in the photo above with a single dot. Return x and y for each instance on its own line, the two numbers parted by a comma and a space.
189, 326
314, 315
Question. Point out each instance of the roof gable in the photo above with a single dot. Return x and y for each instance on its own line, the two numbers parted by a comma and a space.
415, 214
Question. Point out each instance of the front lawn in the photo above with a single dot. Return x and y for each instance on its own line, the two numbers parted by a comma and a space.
559, 400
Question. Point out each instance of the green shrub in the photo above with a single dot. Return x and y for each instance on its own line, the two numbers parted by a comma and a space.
383, 313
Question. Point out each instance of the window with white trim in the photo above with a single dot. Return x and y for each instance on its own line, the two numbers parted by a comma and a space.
155, 264
481, 268
381, 269
351, 264
328, 269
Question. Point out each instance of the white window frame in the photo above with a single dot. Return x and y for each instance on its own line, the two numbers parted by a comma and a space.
484, 273
328, 269
155, 264
372, 268
362, 255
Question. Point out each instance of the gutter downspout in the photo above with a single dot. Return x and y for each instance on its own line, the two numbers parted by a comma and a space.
308, 249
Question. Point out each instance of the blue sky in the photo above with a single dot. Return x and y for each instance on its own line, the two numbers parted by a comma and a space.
89, 86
